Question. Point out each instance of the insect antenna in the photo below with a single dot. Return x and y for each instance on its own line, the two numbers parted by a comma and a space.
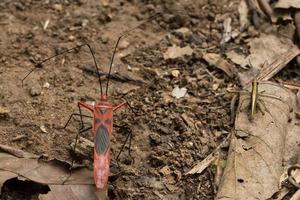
117, 43
39, 65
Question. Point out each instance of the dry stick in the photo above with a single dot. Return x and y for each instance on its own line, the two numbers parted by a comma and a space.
208, 160
19, 137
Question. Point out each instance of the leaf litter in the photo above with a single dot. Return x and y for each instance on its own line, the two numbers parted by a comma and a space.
186, 137
257, 145
55, 173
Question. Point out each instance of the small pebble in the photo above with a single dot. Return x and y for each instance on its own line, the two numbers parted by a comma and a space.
43, 129
71, 38
46, 85
84, 22
175, 73
190, 144
123, 44
35, 91
58, 7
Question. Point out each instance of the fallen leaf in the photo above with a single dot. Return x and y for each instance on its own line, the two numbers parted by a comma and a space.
216, 60
286, 4
237, 59
179, 92
267, 48
176, 52
296, 196
55, 173
269, 54
68, 192
254, 162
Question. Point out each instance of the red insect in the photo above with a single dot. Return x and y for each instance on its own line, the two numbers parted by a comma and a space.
102, 123
102, 113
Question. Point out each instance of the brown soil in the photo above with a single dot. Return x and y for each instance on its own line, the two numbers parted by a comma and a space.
169, 136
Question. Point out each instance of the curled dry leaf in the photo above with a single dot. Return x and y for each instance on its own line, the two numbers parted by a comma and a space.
219, 62
254, 163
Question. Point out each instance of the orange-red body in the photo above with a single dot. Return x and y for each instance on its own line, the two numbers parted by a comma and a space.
102, 133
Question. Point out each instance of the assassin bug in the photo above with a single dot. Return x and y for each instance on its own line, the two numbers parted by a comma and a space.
102, 113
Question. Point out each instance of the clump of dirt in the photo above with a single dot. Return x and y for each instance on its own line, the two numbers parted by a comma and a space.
169, 135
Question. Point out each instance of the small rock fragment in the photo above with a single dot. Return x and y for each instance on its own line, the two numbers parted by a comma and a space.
175, 73
179, 92
58, 7
216, 60
123, 44
71, 38
184, 31
190, 144
84, 22
195, 39
43, 129
35, 91
165, 170
4, 112
46, 85
176, 52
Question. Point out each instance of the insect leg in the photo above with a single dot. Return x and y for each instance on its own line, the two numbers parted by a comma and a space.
76, 139
261, 106
129, 136
123, 104
88, 107
73, 160
75, 114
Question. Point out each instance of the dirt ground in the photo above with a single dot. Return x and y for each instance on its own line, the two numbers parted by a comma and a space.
169, 136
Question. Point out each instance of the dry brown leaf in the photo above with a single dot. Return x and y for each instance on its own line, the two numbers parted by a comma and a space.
270, 52
237, 59
296, 196
68, 192
285, 4
291, 151
267, 48
54, 173
176, 52
256, 151
219, 62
